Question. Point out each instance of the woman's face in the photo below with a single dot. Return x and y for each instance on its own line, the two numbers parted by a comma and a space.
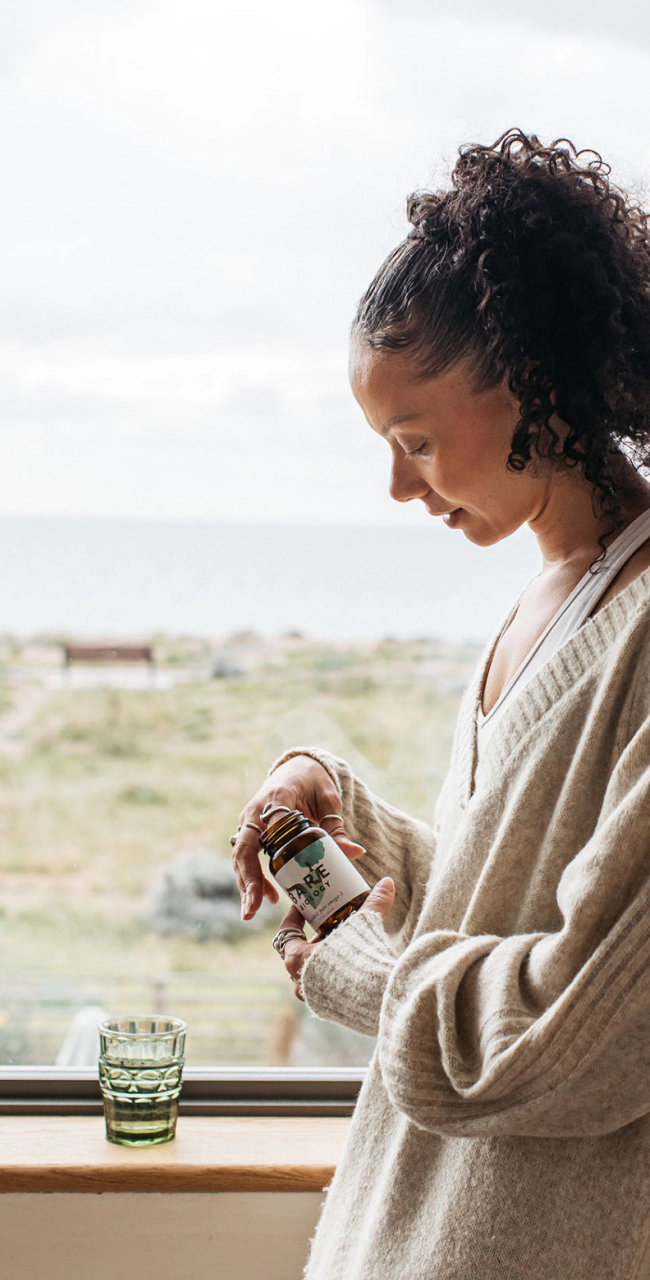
449, 443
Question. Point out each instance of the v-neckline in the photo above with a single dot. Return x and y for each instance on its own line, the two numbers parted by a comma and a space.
559, 672
529, 655
612, 554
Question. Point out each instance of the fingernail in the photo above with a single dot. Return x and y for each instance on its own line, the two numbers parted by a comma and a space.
245, 906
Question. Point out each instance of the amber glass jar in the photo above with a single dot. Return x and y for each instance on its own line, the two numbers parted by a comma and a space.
313, 870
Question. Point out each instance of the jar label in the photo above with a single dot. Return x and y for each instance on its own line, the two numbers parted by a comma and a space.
320, 879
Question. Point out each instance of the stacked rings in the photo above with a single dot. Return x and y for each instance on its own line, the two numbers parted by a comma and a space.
283, 936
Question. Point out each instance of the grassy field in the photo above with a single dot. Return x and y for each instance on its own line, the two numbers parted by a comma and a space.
101, 786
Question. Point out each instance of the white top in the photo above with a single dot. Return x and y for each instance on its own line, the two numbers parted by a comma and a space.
570, 616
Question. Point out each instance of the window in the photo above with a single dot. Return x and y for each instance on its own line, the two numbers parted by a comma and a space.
196, 196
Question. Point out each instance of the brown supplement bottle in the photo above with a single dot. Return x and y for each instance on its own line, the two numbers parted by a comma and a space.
313, 870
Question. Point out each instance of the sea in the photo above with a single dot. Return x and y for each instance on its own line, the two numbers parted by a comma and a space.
125, 579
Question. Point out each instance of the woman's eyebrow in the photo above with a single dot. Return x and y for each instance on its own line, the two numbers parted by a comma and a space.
399, 417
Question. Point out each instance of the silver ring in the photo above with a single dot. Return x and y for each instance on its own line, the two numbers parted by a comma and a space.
331, 815
283, 936
233, 839
254, 826
273, 808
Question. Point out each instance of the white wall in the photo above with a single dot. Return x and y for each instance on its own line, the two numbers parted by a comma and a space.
226, 1236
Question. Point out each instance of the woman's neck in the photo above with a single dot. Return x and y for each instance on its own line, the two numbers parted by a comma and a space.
568, 531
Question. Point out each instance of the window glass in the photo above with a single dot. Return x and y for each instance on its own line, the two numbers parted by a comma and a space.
120, 788
194, 198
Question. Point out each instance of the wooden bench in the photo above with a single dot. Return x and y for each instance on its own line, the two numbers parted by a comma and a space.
107, 653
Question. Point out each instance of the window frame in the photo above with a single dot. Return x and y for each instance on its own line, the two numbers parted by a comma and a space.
235, 1091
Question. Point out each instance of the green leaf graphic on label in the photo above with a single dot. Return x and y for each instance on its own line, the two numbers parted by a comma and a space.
312, 855
311, 888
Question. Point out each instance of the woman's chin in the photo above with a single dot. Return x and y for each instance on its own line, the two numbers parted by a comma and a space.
481, 534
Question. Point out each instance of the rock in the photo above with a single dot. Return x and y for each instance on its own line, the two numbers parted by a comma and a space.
196, 896
225, 668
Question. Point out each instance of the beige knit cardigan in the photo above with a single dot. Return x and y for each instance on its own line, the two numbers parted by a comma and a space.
503, 1129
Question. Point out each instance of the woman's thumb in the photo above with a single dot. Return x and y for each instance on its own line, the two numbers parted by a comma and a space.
381, 898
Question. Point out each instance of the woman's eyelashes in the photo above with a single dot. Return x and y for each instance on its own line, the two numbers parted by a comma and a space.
422, 448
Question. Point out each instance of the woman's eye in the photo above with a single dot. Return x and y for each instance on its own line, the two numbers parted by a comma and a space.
422, 448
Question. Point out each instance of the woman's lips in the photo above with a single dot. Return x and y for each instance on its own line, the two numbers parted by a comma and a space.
451, 518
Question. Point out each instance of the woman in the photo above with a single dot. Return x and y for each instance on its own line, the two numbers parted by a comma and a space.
503, 956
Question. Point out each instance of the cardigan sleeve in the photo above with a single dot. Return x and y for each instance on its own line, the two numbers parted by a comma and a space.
396, 844
542, 1034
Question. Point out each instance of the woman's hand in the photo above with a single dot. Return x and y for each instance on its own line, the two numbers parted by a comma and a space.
297, 952
299, 783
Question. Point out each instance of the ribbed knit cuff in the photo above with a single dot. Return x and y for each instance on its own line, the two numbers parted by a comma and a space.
323, 757
345, 977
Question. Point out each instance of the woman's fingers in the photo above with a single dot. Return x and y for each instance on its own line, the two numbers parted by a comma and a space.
293, 919
294, 956
250, 879
349, 847
252, 883
296, 950
269, 890
381, 898
332, 823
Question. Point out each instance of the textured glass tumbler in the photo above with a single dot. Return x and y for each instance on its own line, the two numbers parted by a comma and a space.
140, 1073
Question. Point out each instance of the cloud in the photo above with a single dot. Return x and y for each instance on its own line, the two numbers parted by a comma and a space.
557, 17
25, 25
194, 198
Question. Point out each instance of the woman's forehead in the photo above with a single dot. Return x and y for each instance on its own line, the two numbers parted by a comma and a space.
394, 376
379, 370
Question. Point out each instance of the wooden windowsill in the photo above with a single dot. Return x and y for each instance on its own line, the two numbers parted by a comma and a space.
220, 1153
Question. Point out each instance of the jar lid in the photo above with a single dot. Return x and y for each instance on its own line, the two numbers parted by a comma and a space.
281, 832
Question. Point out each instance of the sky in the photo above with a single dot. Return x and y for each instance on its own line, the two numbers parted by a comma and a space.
197, 193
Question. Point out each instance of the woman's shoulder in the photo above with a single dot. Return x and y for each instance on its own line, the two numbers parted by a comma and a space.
620, 625
627, 671
634, 569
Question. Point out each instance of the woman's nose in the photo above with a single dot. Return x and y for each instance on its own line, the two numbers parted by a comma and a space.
405, 483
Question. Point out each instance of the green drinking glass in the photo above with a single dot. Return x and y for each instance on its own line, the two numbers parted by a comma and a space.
140, 1074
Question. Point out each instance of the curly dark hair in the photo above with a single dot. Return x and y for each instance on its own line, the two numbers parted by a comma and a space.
536, 266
